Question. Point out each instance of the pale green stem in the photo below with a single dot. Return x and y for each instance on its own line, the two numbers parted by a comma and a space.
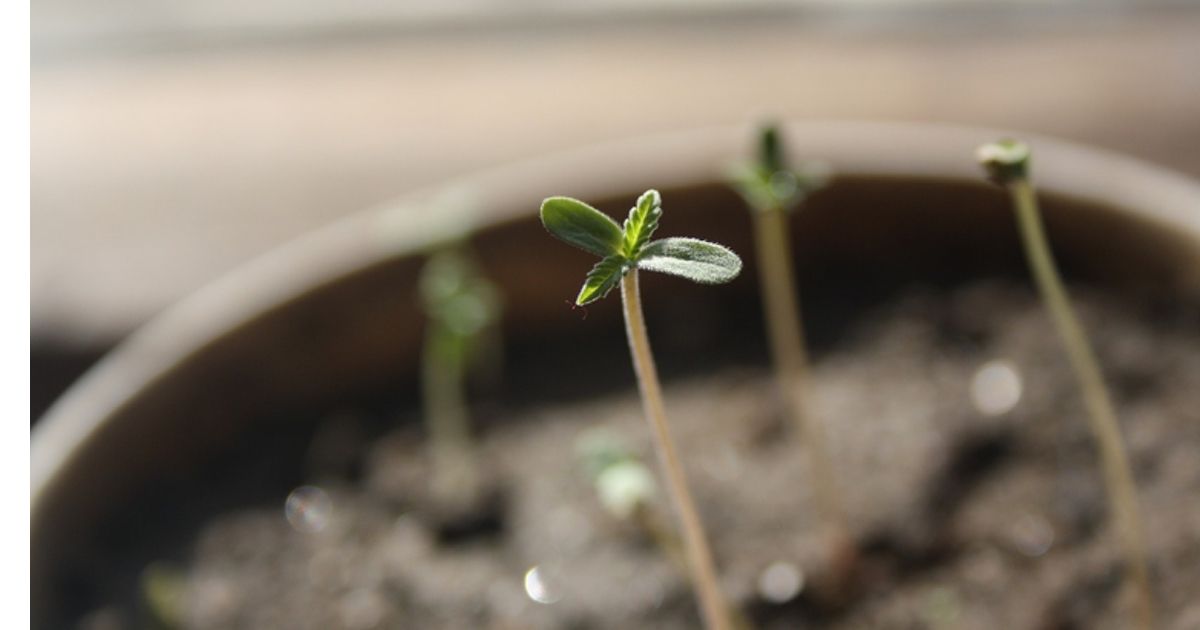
1103, 419
700, 561
448, 422
786, 333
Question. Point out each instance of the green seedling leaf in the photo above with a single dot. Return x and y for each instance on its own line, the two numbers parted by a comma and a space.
598, 448
601, 279
641, 223
770, 183
457, 296
770, 149
1004, 160
581, 225
624, 486
694, 259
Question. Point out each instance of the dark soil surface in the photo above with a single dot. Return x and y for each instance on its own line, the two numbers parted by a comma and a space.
958, 438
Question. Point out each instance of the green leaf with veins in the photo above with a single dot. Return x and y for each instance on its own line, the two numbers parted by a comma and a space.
582, 226
691, 258
601, 279
641, 223
623, 249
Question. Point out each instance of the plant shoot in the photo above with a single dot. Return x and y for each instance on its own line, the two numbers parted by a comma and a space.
623, 251
1007, 164
463, 308
627, 490
773, 190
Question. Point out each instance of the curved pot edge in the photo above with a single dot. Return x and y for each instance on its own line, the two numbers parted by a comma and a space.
369, 237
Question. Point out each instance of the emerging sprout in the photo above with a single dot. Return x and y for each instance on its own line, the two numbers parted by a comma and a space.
463, 308
1007, 163
623, 483
769, 183
772, 189
623, 251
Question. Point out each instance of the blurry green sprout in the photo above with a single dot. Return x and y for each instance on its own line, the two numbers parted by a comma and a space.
624, 485
623, 250
463, 309
1007, 163
769, 183
772, 190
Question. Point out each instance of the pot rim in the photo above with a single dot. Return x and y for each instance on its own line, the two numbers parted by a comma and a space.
369, 237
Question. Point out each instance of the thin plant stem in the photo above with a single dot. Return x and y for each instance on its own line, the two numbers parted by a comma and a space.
448, 422
700, 562
788, 353
1103, 419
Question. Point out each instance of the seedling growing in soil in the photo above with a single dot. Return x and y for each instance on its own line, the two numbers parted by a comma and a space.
1007, 163
627, 490
463, 308
773, 190
623, 251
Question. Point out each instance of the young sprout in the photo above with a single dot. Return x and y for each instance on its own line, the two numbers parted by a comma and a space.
627, 490
463, 308
623, 251
773, 190
1007, 163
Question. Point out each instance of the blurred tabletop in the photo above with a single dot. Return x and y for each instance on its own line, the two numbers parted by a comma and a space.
165, 157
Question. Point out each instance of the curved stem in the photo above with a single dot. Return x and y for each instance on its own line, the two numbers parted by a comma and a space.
700, 562
780, 306
1103, 419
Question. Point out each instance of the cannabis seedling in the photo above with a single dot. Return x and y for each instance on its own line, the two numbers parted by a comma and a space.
463, 308
623, 251
1007, 163
627, 490
773, 191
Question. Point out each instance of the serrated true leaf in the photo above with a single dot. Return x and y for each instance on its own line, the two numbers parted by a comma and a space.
601, 279
770, 149
694, 259
641, 223
581, 225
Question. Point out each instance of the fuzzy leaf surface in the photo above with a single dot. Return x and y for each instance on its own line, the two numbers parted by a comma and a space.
581, 225
691, 258
601, 279
641, 223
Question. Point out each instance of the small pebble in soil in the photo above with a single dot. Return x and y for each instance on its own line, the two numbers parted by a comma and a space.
1032, 535
308, 509
540, 585
780, 582
996, 388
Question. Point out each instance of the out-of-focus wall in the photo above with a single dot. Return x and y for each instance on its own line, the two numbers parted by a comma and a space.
162, 161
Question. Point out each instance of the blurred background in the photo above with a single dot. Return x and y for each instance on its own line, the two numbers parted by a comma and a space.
174, 141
